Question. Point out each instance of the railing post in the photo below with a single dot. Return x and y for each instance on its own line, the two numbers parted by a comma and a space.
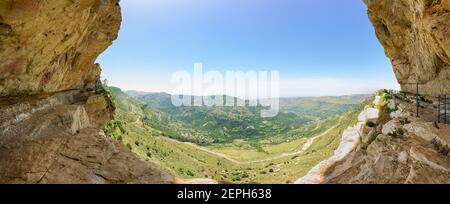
417, 99
439, 108
395, 98
445, 108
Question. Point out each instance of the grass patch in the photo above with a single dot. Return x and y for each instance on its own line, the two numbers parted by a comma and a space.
145, 132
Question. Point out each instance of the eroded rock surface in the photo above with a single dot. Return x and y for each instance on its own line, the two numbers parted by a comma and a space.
350, 142
416, 37
49, 46
404, 149
52, 108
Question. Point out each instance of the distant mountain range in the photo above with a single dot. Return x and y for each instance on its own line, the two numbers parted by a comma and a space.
206, 125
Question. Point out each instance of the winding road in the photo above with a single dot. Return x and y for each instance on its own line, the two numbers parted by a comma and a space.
305, 147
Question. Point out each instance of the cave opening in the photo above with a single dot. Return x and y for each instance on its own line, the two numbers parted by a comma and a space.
316, 55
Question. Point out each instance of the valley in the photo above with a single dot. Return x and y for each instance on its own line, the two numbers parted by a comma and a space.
279, 150
60, 125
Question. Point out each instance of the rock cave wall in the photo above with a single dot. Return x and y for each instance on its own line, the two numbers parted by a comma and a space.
52, 107
416, 37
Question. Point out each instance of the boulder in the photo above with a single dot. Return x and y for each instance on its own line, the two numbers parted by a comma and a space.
369, 114
421, 130
391, 127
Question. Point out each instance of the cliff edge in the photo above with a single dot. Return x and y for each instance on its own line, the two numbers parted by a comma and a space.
397, 146
394, 146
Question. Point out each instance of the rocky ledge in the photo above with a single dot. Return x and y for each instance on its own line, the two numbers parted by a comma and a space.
60, 139
351, 138
395, 148
52, 107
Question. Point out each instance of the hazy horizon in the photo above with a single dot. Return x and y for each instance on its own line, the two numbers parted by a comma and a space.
281, 97
320, 48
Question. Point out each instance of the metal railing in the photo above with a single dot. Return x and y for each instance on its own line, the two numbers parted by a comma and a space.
443, 108
443, 103
417, 95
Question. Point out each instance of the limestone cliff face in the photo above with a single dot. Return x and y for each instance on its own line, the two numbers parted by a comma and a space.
416, 37
50, 46
399, 147
395, 148
52, 108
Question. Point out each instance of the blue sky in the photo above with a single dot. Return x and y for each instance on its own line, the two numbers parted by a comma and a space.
320, 47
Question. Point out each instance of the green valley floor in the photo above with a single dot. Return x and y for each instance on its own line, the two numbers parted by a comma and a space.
279, 158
